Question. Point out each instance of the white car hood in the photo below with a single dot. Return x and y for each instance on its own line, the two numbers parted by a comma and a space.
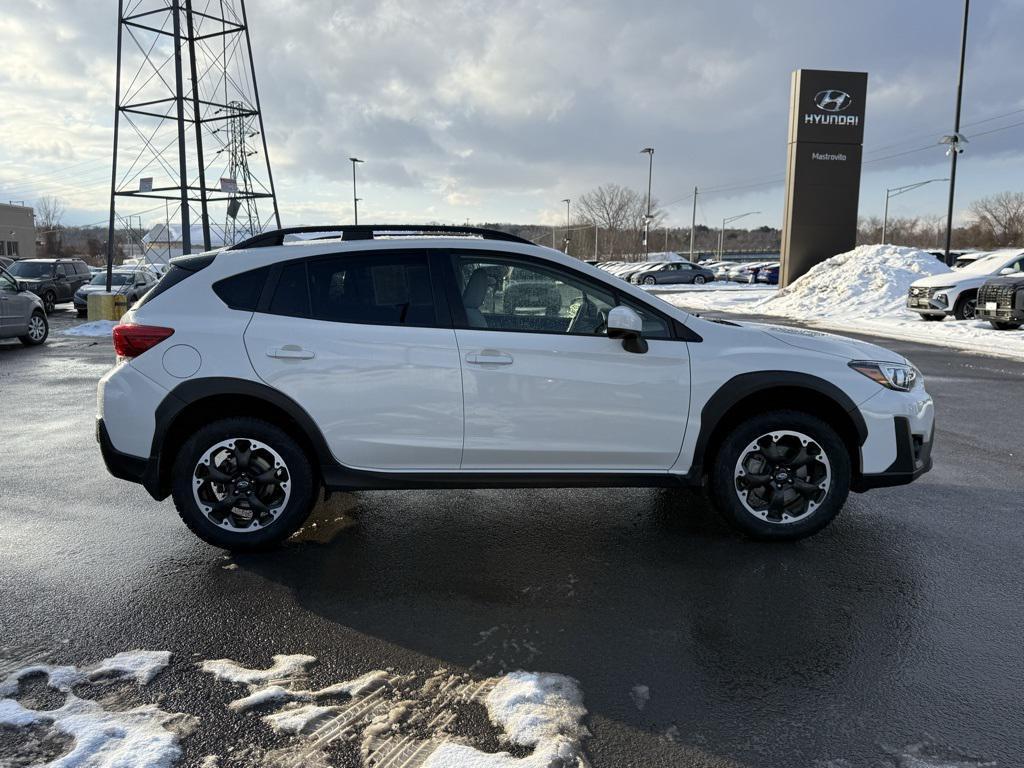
947, 279
828, 343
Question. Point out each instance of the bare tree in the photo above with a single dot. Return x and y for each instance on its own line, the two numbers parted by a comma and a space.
619, 213
999, 219
49, 213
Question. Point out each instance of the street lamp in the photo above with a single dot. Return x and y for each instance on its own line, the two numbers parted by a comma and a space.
355, 200
956, 139
649, 151
892, 192
721, 233
566, 201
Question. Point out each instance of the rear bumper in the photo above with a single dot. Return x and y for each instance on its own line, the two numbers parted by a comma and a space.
913, 459
124, 466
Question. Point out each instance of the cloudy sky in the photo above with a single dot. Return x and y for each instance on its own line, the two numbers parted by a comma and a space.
495, 111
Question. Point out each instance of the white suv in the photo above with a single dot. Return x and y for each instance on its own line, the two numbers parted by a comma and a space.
434, 357
956, 293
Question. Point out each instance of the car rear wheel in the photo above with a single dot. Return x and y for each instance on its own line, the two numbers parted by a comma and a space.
699, 280
650, 280
49, 301
780, 476
243, 484
38, 330
1001, 326
966, 307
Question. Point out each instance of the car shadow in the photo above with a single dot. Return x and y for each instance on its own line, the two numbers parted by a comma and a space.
616, 587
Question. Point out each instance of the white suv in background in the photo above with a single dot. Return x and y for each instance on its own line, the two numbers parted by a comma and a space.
956, 293
440, 357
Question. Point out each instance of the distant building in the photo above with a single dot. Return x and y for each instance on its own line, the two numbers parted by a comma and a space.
17, 231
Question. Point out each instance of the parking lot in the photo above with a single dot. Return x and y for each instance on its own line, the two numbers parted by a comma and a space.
880, 642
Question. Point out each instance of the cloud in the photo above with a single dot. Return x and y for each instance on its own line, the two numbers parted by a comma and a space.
498, 110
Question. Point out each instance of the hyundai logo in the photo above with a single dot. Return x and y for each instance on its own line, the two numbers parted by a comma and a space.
832, 100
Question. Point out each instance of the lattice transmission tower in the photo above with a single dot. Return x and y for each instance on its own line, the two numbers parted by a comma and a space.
188, 125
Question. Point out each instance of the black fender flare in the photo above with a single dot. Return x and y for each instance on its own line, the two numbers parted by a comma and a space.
744, 385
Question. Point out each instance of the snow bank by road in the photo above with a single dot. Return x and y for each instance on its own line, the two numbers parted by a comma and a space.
869, 281
863, 290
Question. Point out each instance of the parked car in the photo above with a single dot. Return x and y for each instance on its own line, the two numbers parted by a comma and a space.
956, 293
721, 270
768, 275
675, 273
1001, 302
636, 268
132, 283
22, 314
746, 273
251, 378
5, 261
53, 280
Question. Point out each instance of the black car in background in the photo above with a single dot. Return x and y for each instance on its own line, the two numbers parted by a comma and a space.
1001, 302
52, 280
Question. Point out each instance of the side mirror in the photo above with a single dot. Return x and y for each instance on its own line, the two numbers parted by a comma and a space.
624, 323
1007, 271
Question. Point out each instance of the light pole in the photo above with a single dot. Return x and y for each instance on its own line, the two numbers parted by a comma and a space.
649, 151
721, 233
355, 200
566, 201
955, 140
693, 221
892, 192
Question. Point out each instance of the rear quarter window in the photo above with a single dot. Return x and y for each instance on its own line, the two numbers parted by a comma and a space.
242, 291
171, 278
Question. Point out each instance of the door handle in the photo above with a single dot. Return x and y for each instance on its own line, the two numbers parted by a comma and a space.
489, 357
290, 352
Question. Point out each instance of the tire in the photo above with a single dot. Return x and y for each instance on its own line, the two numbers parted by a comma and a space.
933, 318
268, 446
49, 302
1001, 326
650, 281
966, 306
737, 458
38, 330
83, 312
699, 280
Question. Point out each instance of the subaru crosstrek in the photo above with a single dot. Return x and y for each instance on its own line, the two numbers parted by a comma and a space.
359, 358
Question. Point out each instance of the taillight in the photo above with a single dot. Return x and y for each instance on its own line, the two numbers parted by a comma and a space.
133, 340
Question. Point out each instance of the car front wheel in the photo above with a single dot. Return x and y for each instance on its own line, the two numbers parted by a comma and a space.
38, 330
780, 476
49, 301
933, 318
1001, 326
966, 307
243, 484
650, 281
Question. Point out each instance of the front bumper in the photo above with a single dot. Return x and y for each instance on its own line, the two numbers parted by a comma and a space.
1000, 314
913, 459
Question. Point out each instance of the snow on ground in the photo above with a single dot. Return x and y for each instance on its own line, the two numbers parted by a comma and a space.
94, 328
141, 737
405, 720
863, 290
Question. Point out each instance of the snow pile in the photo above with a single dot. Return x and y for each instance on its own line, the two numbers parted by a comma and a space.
142, 737
539, 710
95, 328
869, 281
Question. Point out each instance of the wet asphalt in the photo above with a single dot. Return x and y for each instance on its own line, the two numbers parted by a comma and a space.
895, 635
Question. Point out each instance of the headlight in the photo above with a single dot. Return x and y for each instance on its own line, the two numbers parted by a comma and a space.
896, 376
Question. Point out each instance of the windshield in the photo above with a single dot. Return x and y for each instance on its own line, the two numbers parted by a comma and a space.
118, 278
987, 264
31, 269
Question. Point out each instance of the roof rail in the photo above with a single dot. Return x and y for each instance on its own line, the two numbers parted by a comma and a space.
368, 231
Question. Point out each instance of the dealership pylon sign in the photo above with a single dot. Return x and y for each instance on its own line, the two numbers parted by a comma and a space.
826, 136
